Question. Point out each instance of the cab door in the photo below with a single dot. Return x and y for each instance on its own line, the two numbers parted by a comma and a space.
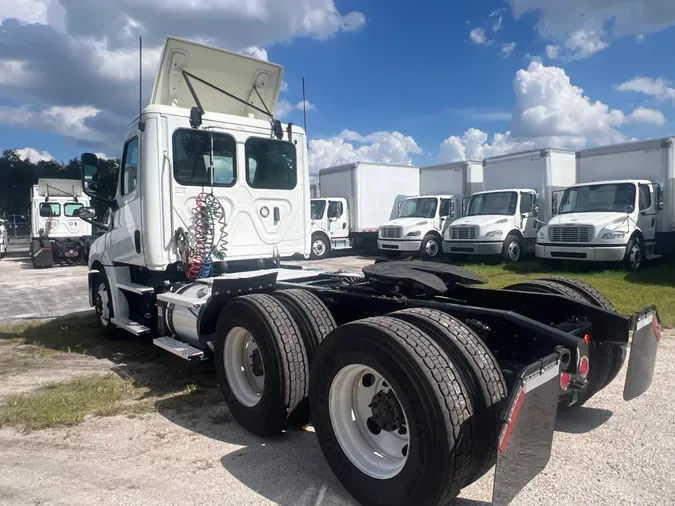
648, 211
528, 215
337, 219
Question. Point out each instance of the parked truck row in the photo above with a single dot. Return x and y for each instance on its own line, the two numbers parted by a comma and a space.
613, 204
417, 379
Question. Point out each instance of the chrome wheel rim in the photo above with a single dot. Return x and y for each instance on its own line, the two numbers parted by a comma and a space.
432, 248
103, 304
369, 422
635, 256
514, 251
244, 368
319, 247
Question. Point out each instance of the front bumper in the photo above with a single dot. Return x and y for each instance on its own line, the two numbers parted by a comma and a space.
399, 245
588, 253
473, 248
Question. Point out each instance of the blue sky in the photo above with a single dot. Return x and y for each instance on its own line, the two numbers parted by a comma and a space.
389, 81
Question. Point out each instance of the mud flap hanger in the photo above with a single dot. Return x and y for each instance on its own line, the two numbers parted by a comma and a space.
526, 437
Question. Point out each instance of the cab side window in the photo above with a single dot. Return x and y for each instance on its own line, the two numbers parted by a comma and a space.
645, 197
130, 166
334, 209
526, 203
446, 208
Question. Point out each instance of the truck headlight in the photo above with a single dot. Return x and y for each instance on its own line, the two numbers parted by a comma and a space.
414, 233
614, 235
541, 234
494, 233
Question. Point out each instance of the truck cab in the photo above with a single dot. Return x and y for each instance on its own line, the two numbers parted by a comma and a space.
58, 234
604, 221
419, 226
497, 222
330, 220
4, 239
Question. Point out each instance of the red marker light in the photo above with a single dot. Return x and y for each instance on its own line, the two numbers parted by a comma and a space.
587, 338
584, 366
564, 380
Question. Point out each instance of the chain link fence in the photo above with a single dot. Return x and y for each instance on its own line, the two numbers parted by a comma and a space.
18, 225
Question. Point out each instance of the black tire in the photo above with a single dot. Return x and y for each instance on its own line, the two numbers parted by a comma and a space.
480, 374
283, 356
431, 246
320, 247
107, 329
314, 322
635, 259
512, 251
432, 397
597, 299
600, 357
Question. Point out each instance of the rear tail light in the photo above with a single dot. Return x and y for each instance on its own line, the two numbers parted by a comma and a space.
584, 366
564, 380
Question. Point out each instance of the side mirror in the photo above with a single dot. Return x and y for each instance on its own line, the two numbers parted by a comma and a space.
659, 198
93, 180
554, 211
88, 213
629, 209
535, 211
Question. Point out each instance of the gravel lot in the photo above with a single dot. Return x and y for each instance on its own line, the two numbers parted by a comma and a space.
608, 453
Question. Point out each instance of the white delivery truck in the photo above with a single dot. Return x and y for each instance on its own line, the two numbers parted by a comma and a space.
57, 233
504, 219
356, 199
421, 220
205, 163
622, 210
4, 239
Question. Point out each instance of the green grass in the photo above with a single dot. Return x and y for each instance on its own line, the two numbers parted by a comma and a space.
627, 291
69, 402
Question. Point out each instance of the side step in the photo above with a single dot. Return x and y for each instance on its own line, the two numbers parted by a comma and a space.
130, 326
182, 300
178, 348
128, 286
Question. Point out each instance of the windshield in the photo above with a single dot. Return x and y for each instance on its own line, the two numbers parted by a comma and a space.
598, 198
318, 206
71, 209
419, 208
503, 203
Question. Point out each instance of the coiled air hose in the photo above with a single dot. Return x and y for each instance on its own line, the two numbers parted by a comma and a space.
209, 223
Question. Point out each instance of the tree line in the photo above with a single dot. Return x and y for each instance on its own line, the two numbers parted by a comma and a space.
17, 176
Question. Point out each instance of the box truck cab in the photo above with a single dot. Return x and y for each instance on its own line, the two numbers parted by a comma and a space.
422, 220
504, 219
57, 232
4, 239
330, 222
356, 199
623, 208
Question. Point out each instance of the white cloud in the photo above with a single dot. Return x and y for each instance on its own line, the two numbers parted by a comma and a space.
551, 112
497, 25
507, 49
26, 11
478, 37
645, 115
67, 121
14, 73
659, 88
256, 52
640, 38
284, 86
306, 104
284, 107
572, 21
380, 147
34, 155
552, 51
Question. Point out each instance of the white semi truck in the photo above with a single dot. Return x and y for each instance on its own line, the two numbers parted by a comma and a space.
505, 218
356, 199
57, 233
416, 379
622, 210
421, 220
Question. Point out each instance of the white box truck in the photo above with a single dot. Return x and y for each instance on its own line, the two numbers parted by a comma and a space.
350, 351
4, 239
505, 217
421, 220
57, 233
622, 210
356, 199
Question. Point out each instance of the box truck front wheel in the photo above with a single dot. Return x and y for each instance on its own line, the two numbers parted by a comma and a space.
431, 246
635, 254
513, 248
104, 307
390, 414
261, 363
320, 246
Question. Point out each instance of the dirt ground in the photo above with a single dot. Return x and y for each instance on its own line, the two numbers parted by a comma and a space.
189, 451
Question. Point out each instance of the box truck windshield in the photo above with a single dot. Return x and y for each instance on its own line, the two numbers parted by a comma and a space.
419, 208
501, 203
615, 197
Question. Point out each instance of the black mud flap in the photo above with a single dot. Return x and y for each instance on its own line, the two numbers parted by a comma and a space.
44, 257
527, 434
642, 361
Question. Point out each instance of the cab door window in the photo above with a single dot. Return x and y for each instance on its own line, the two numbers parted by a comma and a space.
130, 166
